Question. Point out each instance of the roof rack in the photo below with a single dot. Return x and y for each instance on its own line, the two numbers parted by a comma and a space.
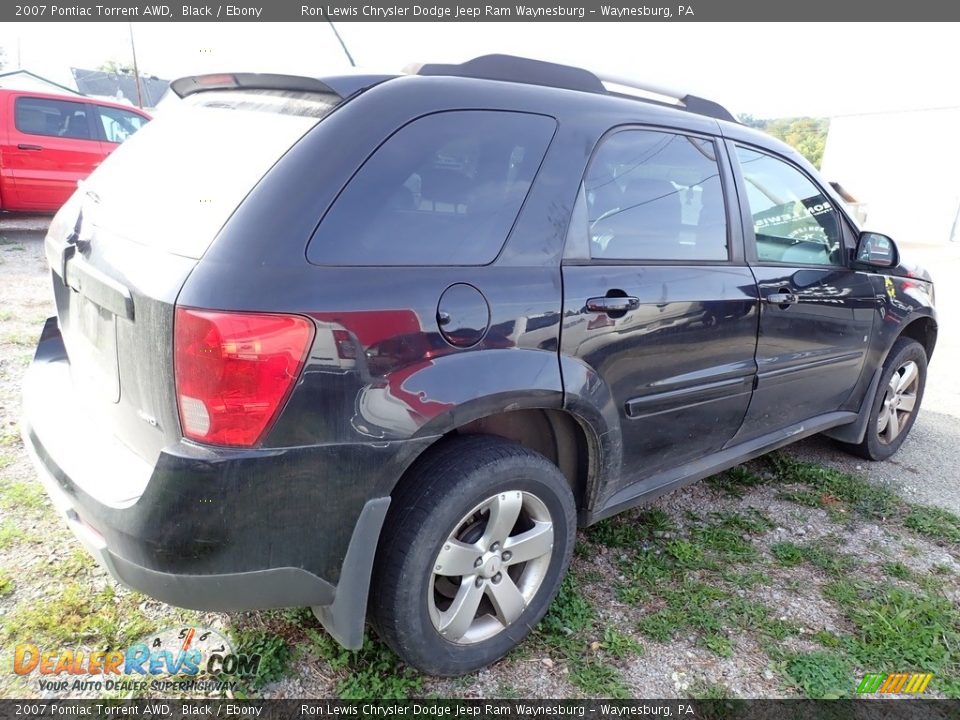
537, 72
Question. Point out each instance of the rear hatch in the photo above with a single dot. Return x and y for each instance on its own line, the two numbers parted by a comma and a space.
122, 247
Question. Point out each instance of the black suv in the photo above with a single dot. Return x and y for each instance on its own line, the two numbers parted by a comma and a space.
379, 344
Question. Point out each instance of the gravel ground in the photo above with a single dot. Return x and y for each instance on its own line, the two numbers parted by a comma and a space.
600, 648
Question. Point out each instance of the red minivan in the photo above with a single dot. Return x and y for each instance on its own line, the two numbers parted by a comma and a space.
49, 142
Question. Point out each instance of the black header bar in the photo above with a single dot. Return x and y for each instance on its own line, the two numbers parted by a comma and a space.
470, 11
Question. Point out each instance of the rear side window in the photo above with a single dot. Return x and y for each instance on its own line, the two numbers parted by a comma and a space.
656, 196
443, 190
56, 118
118, 124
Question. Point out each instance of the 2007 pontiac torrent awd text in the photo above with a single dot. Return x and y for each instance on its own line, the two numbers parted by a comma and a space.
378, 345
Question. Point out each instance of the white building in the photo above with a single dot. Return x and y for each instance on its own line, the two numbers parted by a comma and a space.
904, 167
31, 82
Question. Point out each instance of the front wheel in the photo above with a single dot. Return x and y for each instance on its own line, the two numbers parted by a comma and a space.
897, 402
474, 549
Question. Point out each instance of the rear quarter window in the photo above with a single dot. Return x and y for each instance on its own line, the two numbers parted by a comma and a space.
443, 190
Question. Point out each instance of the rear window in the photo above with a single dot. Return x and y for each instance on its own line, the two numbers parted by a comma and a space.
173, 184
443, 190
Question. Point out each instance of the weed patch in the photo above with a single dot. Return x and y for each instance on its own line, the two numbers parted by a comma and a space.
820, 674
934, 523
373, 672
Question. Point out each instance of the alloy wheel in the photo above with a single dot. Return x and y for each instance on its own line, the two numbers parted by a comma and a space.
899, 402
490, 567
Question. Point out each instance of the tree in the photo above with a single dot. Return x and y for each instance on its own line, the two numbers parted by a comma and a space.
807, 135
116, 67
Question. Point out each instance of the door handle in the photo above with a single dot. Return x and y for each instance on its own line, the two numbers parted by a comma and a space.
27, 146
610, 305
782, 297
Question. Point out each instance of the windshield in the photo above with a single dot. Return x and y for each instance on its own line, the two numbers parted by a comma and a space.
175, 183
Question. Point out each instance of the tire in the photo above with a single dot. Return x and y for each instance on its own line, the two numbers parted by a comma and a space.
439, 519
883, 436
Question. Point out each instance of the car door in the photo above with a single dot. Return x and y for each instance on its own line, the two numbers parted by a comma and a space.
658, 301
53, 144
816, 312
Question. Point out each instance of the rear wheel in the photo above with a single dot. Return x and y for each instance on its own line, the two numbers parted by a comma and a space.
896, 403
474, 549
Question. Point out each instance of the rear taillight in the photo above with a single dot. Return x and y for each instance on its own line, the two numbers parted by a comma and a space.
234, 371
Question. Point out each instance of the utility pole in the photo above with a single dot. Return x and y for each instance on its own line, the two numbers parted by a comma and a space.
136, 70
342, 43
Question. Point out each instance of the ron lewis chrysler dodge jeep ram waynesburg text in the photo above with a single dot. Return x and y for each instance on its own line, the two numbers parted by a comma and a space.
391, 339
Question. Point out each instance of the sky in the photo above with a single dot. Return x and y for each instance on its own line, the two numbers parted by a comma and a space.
764, 69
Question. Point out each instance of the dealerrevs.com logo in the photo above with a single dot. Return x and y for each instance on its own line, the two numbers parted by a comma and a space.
184, 659
894, 683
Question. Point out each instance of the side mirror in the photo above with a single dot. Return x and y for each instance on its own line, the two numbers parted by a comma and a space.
876, 250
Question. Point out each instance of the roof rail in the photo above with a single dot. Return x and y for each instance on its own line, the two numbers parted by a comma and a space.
680, 98
537, 72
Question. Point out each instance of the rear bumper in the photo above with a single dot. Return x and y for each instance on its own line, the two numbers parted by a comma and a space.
269, 588
214, 529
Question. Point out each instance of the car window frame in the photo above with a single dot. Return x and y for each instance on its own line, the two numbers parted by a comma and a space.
92, 129
749, 235
577, 240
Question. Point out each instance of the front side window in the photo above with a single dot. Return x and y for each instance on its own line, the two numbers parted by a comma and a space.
56, 118
656, 196
443, 190
118, 124
793, 221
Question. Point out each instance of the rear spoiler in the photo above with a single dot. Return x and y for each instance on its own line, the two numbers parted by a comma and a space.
341, 85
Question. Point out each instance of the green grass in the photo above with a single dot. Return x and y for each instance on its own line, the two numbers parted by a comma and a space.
19, 339
685, 554
818, 554
9, 439
735, 482
617, 532
20, 495
6, 583
719, 644
598, 679
701, 690
569, 614
566, 629
711, 612
897, 628
834, 486
78, 562
820, 674
10, 535
897, 570
726, 538
630, 530
76, 614
787, 554
372, 673
619, 645
6, 460
935, 523
274, 652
